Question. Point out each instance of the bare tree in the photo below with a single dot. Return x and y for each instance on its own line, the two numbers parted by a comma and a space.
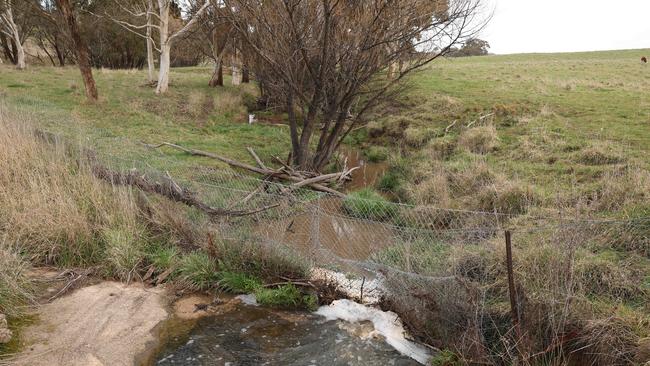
167, 39
327, 60
81, 50
9, 28
133, 10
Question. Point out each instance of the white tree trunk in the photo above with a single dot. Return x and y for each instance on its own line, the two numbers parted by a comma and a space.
165, 48
150, 63
236, 68
7, 18
20, 57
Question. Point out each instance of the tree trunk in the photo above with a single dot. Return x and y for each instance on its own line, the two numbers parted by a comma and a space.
83, 59
165, 48
17, 46
20, 52
217, 75
236, 68
150, 63
245, 75
7, 50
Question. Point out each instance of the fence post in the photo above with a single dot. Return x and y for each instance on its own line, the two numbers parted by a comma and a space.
514, 306
315, 227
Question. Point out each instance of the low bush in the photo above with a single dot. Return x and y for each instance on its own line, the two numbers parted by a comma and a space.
368, 204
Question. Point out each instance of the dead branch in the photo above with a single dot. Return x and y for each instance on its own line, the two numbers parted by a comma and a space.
165, 187
287, 173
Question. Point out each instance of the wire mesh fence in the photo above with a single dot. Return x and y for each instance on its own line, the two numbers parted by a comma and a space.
443, 270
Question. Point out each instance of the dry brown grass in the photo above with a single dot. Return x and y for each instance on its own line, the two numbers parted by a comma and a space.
52, 208
479, 140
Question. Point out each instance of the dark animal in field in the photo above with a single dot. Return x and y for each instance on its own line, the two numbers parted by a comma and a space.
644, 60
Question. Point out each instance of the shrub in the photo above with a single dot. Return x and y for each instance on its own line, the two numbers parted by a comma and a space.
479, 140
368, 204
198, 271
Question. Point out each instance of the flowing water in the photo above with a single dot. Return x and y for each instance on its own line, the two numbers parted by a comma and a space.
252, 335
345, 334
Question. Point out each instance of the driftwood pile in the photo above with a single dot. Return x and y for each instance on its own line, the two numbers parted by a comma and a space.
315, 181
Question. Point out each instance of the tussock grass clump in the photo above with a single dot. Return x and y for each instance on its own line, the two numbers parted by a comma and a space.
609, 341
622, 187
15, 286
599, 155
441, 148
198, 271
368, 204
479, 140
239, 283
416, 136
508, 198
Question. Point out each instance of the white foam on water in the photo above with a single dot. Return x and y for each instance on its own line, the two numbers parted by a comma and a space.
248, 299
351, 287
385, 323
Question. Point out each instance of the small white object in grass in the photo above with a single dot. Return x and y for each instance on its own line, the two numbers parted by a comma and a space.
251, 119
386, 323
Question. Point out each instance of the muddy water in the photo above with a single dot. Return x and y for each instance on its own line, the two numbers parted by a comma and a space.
368, 173
251, 335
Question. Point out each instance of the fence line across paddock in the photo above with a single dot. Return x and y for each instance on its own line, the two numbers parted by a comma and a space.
426, 258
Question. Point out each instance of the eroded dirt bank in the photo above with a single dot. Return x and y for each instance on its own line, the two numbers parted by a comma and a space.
104, 324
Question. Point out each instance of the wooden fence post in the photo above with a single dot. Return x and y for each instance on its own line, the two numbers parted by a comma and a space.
514, 307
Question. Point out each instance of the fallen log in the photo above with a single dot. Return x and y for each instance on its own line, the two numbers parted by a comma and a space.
165, 187
285, 173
